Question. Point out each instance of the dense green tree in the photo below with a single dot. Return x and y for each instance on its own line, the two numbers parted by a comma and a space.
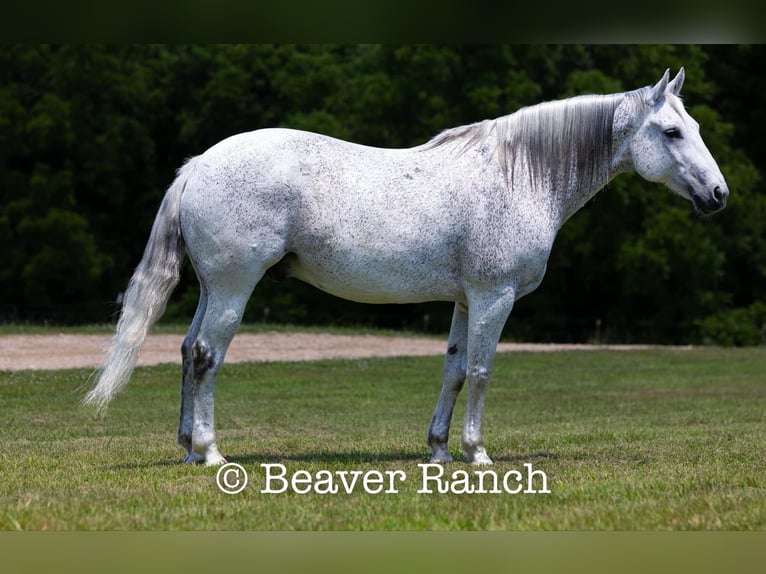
50, 255
90, 136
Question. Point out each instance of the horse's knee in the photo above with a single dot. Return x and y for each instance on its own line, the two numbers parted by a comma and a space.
454, 372
479, 376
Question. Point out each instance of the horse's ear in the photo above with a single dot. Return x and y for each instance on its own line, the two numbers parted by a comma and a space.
658, 91
675, 85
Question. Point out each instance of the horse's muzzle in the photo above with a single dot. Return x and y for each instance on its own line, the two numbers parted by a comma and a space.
711, 202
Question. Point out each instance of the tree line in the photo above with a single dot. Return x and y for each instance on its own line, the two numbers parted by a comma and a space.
91, 135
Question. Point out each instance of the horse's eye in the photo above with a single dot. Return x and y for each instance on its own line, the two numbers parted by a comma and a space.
673, 133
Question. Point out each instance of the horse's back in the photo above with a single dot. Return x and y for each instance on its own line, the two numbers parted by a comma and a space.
316, 177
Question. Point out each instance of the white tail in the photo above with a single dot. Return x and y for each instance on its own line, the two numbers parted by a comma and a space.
148, 292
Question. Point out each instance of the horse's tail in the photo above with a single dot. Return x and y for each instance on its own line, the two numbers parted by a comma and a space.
146, 296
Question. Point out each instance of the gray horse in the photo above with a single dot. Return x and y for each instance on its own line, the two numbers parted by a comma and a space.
468, 217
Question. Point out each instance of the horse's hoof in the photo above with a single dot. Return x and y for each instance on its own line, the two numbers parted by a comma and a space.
215, 461
482, 460
479, 457
194, 458
440, 457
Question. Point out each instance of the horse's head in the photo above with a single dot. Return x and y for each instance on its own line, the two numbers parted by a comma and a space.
666, 147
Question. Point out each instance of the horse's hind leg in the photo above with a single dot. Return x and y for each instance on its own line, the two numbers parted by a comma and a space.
453, 378
226, 302
186, 418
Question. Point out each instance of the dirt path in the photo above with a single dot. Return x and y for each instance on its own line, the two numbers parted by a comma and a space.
22, 352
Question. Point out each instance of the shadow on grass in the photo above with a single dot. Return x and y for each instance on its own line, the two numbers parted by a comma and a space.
331, 458
362, 457
539, 455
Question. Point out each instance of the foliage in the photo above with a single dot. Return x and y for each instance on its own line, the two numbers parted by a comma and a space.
91, 135
736, 327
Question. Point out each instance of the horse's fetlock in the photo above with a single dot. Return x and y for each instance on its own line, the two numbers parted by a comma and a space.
436, 439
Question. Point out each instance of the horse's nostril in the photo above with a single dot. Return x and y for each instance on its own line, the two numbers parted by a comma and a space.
719, 194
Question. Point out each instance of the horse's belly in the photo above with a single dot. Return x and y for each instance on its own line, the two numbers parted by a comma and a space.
377, 279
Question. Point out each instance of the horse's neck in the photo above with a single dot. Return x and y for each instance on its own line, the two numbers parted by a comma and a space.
616, 162
580, 193
563, 148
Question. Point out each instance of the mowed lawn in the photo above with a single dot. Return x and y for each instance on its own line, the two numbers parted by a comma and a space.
659, 439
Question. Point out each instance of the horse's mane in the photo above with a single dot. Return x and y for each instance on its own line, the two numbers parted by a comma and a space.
561, 140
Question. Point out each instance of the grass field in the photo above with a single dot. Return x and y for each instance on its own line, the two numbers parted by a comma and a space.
628, 440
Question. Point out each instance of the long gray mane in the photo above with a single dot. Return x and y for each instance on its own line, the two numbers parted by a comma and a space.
561, 141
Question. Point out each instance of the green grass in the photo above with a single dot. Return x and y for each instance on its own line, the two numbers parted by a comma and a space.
655, 439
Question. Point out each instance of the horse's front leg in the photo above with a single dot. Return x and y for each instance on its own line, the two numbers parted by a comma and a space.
453, 379
487, 316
